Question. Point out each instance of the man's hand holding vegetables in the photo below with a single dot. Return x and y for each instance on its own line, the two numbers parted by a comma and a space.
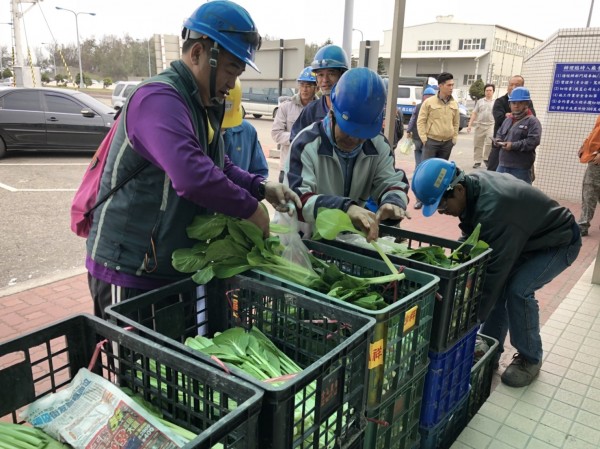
280, 197
339, 162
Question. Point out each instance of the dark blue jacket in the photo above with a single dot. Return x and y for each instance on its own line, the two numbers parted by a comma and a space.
315, 111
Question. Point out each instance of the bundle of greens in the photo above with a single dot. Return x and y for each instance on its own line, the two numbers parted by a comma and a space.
16, 436
332, 222
256, 355
228, 246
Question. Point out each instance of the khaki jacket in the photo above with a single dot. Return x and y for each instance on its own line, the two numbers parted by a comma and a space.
438, 120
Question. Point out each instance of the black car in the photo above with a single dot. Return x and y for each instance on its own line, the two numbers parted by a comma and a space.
51, 119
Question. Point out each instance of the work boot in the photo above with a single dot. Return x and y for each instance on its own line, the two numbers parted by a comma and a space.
520, 372
583, 230
418, 205
477, 165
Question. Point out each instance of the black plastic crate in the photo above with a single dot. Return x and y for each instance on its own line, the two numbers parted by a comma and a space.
196, 397
444, 433
481, 376
329, 342
395, 424
399, 346
460, 287
447, 380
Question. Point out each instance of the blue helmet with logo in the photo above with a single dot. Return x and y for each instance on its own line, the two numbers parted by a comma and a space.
229, 25
330, 57
519, 94
357, 101
431, 179
429, 91
307, 75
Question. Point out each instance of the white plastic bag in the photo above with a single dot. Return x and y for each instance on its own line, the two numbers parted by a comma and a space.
406, 145
295, 250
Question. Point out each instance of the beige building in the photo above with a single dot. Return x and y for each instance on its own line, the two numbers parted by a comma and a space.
468, 51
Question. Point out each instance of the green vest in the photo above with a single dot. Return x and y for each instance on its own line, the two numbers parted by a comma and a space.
137, 229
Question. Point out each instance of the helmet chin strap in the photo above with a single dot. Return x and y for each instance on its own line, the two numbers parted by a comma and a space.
214, 55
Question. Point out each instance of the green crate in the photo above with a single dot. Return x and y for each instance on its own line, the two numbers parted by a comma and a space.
329, 342
400, 342
395, 424
460, 287
481, 377
199, 398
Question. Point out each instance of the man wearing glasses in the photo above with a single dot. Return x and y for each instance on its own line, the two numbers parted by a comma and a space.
329, 65
170, 126
533, 238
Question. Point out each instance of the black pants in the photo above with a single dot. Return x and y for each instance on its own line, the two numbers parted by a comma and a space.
493, 158
437, 148
105, 294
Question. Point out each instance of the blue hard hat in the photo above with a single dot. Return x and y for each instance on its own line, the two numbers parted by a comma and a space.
431, 179
330, 57
229, 25
519, 94
357, 101
307, 75
429, 91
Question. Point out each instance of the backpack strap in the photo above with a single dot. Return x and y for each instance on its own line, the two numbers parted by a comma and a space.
124, 181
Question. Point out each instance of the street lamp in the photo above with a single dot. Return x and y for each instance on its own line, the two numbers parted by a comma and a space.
53, 55
81, 84
148, 47
361, 33
149, 69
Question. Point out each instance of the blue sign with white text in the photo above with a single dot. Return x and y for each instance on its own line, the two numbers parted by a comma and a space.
576, 88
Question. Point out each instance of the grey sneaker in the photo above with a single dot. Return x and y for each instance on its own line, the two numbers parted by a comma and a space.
520, 372
583, 230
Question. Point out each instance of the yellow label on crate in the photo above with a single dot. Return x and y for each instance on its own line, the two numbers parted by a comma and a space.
376, 354
410, 318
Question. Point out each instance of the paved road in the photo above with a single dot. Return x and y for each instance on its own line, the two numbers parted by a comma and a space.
36, 188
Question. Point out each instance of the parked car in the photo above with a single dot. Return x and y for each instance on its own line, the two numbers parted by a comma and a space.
464, 116
260, 101
51, 119
121, 92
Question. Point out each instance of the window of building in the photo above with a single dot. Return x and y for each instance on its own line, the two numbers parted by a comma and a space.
471, 44
470, 79
434, 45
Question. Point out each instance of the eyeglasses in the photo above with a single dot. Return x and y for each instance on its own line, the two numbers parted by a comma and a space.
250, 37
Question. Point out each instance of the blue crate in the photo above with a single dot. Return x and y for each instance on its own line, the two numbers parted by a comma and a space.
443, 434
447, 380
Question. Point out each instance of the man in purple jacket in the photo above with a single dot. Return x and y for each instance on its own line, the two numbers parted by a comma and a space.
171, 127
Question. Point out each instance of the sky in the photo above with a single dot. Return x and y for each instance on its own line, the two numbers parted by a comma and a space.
314, 20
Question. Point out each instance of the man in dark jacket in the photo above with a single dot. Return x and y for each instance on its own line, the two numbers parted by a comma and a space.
533, 239
329, 65
501, 110
518, 137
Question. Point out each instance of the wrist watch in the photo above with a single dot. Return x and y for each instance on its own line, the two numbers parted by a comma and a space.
262, 189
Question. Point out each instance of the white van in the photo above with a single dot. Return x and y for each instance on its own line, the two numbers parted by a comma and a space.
121, 92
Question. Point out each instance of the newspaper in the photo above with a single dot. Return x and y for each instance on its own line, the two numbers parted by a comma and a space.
93, 413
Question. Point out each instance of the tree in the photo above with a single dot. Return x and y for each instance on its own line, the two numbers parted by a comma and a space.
7, 73
45, 78
476, 90
380, 66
